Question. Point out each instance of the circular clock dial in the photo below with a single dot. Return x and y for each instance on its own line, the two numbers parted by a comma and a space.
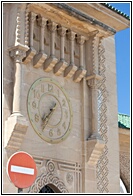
49, 110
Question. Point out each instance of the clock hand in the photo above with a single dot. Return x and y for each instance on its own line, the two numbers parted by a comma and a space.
47, 118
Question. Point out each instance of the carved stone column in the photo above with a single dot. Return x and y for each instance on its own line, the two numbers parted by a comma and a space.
51, 60
41, 56
31, 52
16, 125
61, 65
17, 53
71, 69
95, 144
81, 72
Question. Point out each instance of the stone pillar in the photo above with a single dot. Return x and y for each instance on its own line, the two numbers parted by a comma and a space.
71, 69
95, 144
41, 56
81, 72
51, 60
16, 125
17, 53
31, 52
61, 65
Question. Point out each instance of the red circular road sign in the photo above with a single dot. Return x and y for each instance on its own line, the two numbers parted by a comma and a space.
21, 169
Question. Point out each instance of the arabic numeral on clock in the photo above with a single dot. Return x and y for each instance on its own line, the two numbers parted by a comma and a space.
58, 132
51, 133
34, 104
63, 102
66, 114
36, 117
42, 88
64, 125
36, 94
50, 87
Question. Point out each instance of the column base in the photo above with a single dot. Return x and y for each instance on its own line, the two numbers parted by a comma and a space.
70, 71
29, 55
79, 74
39, 59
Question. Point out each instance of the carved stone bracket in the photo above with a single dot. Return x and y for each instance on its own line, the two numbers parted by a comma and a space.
29, 55
15, 130
60, 67
79, 74
39, 59
94, 80
95, 146
49, 63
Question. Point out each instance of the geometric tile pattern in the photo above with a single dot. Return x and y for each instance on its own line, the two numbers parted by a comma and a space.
102, 165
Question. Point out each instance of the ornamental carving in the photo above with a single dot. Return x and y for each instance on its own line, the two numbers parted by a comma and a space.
45, 179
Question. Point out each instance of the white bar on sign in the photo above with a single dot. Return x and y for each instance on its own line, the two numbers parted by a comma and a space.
22, 170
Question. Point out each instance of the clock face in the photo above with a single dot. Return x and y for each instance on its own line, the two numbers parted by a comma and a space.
49, 110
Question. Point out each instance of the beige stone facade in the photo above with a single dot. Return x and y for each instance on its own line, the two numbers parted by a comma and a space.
73, 45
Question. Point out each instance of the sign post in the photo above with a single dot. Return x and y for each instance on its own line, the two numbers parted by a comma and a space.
21, 170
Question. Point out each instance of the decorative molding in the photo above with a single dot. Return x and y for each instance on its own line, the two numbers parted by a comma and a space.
102, 165
45, 179
31, 52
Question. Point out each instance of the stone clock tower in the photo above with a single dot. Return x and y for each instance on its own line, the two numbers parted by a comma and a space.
59, 94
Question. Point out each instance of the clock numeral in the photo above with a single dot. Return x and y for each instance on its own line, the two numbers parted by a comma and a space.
58, 132
36, 117
34, 104
64, 125
36, 94
66, 114
63, 102
42, 88
51, 133
50, 87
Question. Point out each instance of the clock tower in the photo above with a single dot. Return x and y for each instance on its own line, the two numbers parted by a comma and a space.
60, 94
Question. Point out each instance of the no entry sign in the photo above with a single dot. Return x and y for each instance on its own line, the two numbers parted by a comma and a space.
21, 169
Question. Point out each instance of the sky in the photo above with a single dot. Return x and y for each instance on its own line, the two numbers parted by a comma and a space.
122, 40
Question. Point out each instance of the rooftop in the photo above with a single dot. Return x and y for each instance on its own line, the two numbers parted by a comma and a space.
123, 121
115, 10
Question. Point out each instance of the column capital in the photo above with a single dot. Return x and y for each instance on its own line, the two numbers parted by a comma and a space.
80, 39
32, 17
62, 31
42, 21
18, 52
71, 35
52, 26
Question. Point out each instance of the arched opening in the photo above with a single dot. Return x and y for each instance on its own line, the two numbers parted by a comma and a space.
49, 188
